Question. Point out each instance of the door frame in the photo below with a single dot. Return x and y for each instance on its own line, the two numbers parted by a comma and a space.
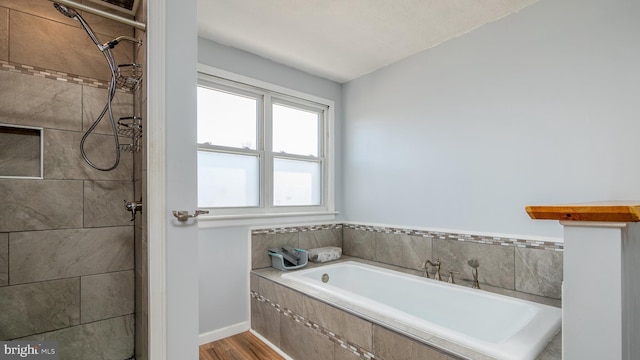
156, 180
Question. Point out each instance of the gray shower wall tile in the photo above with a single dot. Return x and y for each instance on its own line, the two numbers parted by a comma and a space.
36, 101
4, 34
497, 262
145, 148
104, 203
40, 204
39, 8
359, 243
140, 254
38, 255
404, 250
62, 158
94, 100
106, 296
539, 272
260, 244
4, 259
110, 339
138, 159
39, 307
145, 203
137, 188
109, 28
320, 238
138, 196
30, 43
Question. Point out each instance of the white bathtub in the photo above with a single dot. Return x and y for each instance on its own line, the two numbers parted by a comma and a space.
498, 326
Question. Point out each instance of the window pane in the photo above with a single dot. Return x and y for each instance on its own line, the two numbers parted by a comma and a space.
227, 180
295, 131
296, 183
225, 119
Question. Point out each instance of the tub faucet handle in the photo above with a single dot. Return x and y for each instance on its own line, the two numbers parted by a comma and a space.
451, 272
437, 275
435, 264
474, 271
425, 269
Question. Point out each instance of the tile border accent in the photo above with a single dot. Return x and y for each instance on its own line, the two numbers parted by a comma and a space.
480, 239
294, 229
52, 74
325, 333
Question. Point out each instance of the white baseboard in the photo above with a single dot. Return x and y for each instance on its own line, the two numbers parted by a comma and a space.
275, 348
224, 332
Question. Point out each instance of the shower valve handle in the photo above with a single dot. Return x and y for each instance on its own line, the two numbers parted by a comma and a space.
133, 207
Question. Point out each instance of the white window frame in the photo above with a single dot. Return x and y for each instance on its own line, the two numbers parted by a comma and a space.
274, 94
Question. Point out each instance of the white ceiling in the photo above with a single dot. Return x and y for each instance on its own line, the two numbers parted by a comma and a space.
343, 39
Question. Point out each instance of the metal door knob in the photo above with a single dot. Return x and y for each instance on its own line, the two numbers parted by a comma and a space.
183, 215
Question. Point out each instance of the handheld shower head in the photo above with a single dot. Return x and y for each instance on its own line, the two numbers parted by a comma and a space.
68, 12
72, 13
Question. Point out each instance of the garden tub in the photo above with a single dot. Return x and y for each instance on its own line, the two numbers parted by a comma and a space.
499, 326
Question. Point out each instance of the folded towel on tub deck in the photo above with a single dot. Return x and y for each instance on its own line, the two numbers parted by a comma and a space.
324, 254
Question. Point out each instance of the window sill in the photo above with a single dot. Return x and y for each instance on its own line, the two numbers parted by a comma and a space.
252, 220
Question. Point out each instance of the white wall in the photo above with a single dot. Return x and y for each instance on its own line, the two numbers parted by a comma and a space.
540, 107
223, 263
223, 257
536, 108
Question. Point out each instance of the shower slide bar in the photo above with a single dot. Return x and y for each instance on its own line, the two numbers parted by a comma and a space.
89, 9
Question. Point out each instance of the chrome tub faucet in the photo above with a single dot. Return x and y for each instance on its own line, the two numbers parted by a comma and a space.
435, 264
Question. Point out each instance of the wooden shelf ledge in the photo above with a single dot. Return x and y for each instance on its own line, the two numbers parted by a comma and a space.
606, 211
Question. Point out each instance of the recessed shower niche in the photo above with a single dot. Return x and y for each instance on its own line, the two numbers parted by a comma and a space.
20, 152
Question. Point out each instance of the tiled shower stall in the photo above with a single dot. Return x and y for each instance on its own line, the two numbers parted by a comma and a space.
72, 263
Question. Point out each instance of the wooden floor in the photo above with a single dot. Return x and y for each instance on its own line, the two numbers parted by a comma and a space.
244, 346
